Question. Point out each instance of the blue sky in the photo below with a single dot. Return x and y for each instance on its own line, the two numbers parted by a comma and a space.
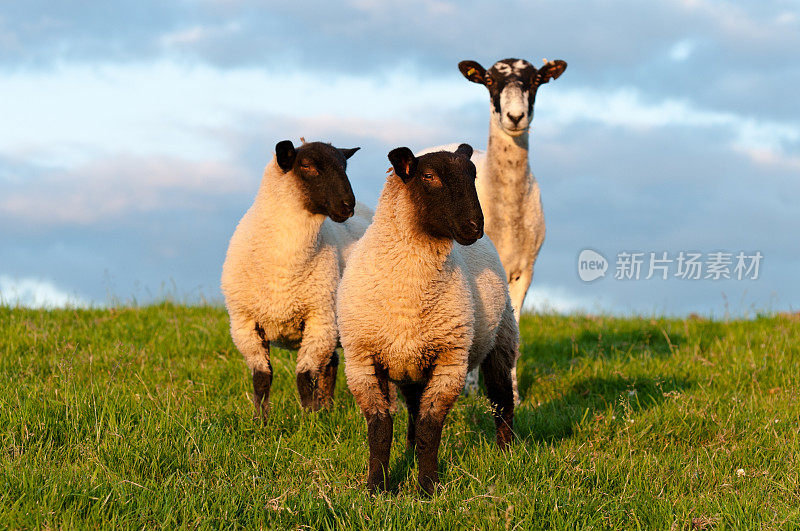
134, 134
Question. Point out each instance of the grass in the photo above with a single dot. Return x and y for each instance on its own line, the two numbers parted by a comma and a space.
140, 417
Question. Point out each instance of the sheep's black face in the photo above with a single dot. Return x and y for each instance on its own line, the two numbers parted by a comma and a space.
512, 86
442, 187
321, 175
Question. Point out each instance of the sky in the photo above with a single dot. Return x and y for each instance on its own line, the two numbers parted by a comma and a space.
133, 136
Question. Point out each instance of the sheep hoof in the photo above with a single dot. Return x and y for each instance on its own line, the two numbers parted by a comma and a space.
428, 484
326, 383
378, 484
260, 417
312, 395
504, 438
306, 385
262, 381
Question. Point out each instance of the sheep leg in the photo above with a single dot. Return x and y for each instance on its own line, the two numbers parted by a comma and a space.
379, 435
249, 338
438, 397
392, 398
326, 384
412, 393
517, 288
262, 380
370, 387
305, 388
497, 371
315, 364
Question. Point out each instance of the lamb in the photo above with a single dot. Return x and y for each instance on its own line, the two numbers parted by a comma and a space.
283, 264
420, 310
508, 191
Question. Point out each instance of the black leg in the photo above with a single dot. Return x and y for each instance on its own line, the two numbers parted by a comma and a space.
326, 384
262, 381
500, 392
306, 387
412, 394
379, 433
428, 438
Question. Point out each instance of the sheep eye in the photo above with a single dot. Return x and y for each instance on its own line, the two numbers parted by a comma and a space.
428, 176
489, 80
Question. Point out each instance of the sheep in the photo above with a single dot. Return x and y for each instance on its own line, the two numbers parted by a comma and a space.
508, 191
283, 264
417, 309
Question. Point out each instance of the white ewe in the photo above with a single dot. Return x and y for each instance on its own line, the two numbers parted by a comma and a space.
284, 263
420, 310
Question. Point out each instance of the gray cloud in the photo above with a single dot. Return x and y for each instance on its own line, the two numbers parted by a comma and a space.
736, 56
113, 189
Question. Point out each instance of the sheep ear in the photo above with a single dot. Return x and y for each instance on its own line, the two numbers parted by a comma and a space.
550, 70
473, 71
404, 163
349, 152
285, 154
464, 149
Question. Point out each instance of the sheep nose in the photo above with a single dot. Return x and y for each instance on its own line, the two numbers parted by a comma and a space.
349, 206
515, 117
471, 228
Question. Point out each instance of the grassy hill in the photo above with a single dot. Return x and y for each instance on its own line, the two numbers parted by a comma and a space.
141, 417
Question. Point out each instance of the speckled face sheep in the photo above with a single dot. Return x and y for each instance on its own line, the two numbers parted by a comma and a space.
507, 189
419, 309
284, 262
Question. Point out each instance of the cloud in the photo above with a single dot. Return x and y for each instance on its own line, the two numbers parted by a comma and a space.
681, 50
556, 299
629, 108
117, 188
79, 112
197, 34
36, 293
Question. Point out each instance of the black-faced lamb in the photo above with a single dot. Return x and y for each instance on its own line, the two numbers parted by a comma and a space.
419, 309
284, 262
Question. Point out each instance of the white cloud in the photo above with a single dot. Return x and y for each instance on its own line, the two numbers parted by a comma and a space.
77, 112
196, 34
555, 299
36, 293
628, 108
110, 188
682, 50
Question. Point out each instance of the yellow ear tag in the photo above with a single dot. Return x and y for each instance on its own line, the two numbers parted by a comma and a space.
471, 71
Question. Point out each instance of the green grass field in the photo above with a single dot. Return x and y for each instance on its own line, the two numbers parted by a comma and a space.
141, 418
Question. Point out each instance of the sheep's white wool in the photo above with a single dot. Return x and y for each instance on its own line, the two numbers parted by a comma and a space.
503, 68
281, 272
408, 301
